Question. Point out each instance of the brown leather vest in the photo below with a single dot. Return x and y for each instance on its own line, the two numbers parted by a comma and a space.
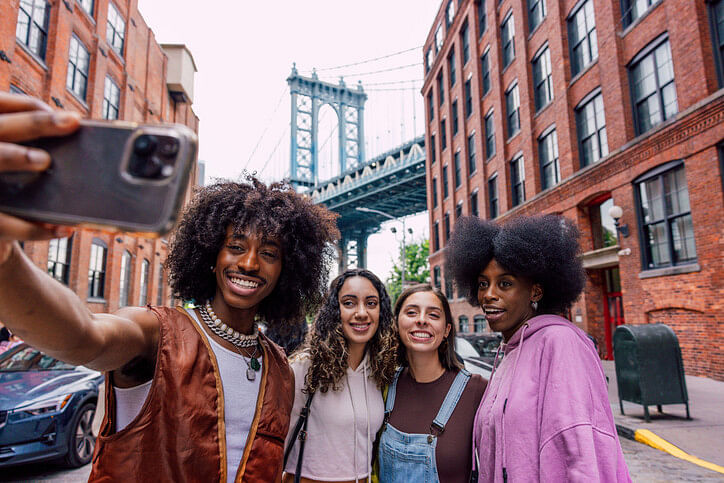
179, 435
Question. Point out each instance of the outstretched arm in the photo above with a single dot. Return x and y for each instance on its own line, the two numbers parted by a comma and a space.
40, 310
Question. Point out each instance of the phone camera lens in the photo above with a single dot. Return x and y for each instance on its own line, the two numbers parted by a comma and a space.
169, 147
145, 145
152, 168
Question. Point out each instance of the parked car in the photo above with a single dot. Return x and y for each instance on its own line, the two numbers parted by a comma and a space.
486, 344
471, 358
46, 408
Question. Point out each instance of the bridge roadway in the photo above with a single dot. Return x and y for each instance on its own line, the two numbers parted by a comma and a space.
393, 182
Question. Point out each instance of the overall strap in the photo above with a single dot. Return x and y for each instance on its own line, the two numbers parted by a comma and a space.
451, 400
300, 426
390, 403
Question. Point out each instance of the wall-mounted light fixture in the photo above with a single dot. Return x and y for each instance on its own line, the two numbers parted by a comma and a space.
616, 212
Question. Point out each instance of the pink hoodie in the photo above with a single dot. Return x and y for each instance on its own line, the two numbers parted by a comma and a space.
545, 415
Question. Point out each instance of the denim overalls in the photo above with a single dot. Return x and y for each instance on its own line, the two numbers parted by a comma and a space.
408, 457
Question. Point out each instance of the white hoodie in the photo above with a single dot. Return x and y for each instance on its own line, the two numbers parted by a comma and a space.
332, 451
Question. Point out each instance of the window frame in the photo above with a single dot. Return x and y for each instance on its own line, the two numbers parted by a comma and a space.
107, 103
472, 168
55, 261
436, 236
41, 50
452, 68
628, 20
543, 158
445, 183
658, 174
465, 41
485, 71
143, 283
90, 11
517, 180
124, 286
434, 192
507, 39
446, 226
482, 18
455, 121
441, 88
433, 149
74, 70
443, 134
468, 91
493, 200
532, 7
474, 208
580, 7
159, 291
489, 135
591, 99
458, 170
542, 58
97, 269
513, 91
431, 105
112, 29
717, 39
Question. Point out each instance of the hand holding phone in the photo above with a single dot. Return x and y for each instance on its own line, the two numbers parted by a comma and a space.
23, 118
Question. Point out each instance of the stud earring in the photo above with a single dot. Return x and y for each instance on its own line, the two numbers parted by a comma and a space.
534, 304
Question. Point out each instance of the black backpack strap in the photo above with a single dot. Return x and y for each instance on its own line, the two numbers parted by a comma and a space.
300, 430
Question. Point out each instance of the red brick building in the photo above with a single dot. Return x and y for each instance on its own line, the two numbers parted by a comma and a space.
99, 58
572, 107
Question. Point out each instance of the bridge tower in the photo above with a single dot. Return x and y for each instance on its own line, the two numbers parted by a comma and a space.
308, 96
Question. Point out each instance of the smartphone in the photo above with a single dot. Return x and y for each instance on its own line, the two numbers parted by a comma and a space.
110, 175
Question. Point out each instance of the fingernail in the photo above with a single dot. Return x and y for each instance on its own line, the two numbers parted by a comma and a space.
64, 119
37, 157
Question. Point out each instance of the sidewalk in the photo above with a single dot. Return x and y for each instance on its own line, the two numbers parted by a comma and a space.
702, 436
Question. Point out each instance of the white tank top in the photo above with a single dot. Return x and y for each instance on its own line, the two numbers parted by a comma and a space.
240, 397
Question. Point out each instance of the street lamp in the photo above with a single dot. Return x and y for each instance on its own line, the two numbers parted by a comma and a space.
404, 250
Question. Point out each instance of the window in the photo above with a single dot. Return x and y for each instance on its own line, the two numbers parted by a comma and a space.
479, 324
468, 98
542, 78
517, 181
474, 211
512, 109
449, 289
603, 228
716, 10
548, 155
59, 251
449, 13
471, 154
465, 39
652, 86
16, 90
667, 231
115, 32
507, 34
436, 236
633, 9
440, 88
485, 69
434, 192
433, 149
458, 170
493, 196
463, 322
446, 226
78, 63
436, 277
445, 190
591, 126
428, 60
536, 13
459, 210
87, 6
430, 106
97, 269
482, 18
489, 136
451, 67
32, 27
582, 37
125, 278
438, 39
443, 134
143, 292
111, 99
159, 293
454, 118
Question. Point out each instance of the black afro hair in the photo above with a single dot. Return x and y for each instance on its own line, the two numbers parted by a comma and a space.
542, 249
307, 233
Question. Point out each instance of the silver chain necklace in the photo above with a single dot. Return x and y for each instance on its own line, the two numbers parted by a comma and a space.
239, 341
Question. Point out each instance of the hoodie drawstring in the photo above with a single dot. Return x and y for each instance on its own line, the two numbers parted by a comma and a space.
354, 422
505, 402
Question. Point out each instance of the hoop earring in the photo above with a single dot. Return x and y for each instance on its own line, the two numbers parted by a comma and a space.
534, 304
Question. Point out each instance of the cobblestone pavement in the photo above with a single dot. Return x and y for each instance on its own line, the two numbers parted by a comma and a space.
649, 465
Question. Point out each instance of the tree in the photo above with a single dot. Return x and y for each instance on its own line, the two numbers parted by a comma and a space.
417, 268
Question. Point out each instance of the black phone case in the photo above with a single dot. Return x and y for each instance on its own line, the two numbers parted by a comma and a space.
88, 183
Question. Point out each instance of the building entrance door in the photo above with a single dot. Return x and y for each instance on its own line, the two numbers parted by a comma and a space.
612, 307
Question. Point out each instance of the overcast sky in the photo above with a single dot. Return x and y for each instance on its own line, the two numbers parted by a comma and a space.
244, 52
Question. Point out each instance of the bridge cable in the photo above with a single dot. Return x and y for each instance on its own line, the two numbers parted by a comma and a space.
369, 60
271, 118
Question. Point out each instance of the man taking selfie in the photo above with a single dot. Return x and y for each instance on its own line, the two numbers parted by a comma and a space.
191, 395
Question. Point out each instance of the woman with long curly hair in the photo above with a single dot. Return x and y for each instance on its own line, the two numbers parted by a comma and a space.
431, 402
349, 356
545, 415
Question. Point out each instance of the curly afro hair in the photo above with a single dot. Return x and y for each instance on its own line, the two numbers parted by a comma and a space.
328, 347
306, 231
542, 249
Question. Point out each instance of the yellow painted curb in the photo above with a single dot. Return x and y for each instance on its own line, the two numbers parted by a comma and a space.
647, 437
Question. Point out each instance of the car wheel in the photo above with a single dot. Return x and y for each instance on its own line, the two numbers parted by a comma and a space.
81, 440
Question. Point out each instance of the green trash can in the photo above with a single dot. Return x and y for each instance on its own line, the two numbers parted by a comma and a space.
649, 369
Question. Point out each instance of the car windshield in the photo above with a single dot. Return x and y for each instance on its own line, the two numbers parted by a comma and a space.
465, 348
28, 359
